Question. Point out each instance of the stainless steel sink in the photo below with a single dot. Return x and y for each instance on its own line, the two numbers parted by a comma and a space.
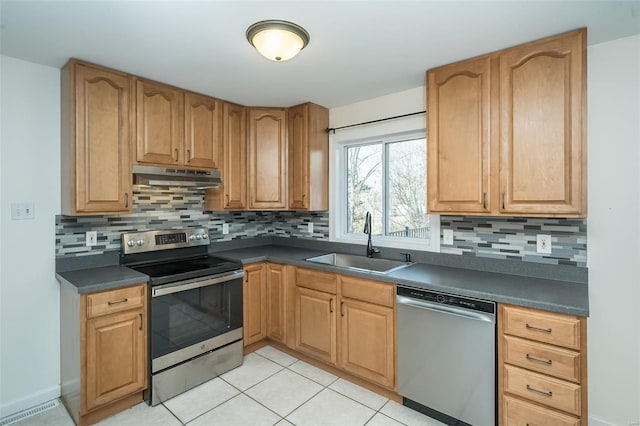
360, 263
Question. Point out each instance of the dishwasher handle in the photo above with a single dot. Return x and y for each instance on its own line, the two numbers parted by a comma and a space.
446, 309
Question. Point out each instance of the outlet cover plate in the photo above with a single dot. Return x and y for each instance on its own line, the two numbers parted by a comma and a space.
310, 227
447, 236
543, 244
22, 211
225, 228
91, 238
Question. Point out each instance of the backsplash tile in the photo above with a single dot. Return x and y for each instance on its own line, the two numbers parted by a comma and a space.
515, 238
164, 207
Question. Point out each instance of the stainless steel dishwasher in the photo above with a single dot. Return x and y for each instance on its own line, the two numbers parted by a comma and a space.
446, 356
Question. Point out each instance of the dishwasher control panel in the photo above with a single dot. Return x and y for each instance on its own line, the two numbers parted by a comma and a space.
447, 299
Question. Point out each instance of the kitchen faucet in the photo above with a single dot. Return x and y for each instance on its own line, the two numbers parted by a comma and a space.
367, 230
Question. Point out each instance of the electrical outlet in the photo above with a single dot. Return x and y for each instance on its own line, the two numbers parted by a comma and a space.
543, 243
91, 238
310, 227
225, 228
447, 236
22, 211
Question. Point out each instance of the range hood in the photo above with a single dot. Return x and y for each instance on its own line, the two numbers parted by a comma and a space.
167, 176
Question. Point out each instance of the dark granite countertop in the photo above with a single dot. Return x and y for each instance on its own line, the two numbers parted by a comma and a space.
571, 297
100, 279
551, 295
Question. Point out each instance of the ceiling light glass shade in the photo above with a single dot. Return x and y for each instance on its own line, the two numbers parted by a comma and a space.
277, 40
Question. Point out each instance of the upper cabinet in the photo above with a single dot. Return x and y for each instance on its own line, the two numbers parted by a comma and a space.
177, 128
203, 118
542, 127
159, 123
507, 131
267, 147
308, 157
233, 194
459, 98
96, 133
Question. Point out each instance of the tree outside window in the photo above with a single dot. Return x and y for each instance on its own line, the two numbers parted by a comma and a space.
388, 179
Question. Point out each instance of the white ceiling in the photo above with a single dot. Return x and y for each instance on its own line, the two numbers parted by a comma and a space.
358, 49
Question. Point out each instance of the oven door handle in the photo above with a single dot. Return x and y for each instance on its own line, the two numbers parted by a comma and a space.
190, 285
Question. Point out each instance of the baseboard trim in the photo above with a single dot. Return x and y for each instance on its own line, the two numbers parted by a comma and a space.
595, 421
12, 407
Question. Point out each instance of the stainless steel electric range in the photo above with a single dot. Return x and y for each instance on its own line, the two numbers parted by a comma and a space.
195, 317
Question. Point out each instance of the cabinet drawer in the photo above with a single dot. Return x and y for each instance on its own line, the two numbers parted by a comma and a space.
546, 390
558, 362
516, 412
547, 327
108, 302
316, 280
368, 291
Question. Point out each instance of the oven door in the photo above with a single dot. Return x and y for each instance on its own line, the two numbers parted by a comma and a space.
189, 318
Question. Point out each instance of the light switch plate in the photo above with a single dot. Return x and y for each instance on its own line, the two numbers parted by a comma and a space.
543, 244
310, 227
91, 238
225, 228
447, 236
23, 211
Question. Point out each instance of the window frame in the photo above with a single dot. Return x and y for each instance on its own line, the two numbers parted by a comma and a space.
338, 206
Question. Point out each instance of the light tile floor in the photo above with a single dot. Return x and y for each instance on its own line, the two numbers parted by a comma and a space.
270, 388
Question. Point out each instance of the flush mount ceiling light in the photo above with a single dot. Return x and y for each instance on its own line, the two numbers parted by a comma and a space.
277, 40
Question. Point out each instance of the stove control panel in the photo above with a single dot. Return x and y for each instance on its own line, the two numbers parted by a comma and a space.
140, 242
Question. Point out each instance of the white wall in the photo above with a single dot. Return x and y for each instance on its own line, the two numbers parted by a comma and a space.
613, 231
29, 292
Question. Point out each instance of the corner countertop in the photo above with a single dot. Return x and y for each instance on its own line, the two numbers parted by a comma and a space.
550, 295
100, 279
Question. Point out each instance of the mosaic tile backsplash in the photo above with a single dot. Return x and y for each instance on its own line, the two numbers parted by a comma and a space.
163, 208
515, 238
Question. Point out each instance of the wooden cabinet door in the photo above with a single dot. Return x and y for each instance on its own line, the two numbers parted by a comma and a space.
308, 157
298, 157
276, 302
254, 304
203, 131
543, 140
367, 342
316, 324
267, 159
96, 133
235, 157
458, 144
159, 115
116, 357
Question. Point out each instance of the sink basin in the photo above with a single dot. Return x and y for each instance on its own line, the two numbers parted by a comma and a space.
360, 263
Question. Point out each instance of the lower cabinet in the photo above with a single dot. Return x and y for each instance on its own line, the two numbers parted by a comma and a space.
542, 367
254, 311
103, 351
276, 302
315, 321
367, 341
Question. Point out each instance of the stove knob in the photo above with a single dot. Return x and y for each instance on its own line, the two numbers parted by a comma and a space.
131, 243
198, 237
140, 242
192, 238
205, 236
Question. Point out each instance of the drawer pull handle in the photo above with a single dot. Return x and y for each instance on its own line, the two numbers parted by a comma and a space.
342, 308
543, 330
331, 305
115, 302
530, 389
542, 361
484, 200
140, 321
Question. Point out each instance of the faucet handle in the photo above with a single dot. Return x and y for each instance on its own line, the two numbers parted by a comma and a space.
407, 257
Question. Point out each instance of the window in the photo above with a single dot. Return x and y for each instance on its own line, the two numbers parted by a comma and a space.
386, 177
